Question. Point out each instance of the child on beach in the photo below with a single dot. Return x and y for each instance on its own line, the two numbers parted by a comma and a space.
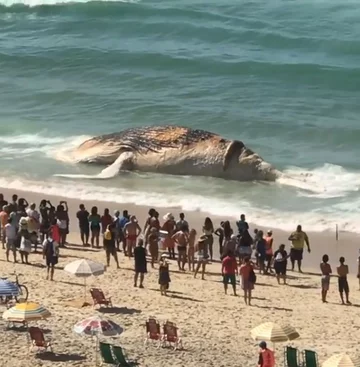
191, 250
164, 275
325, 278
343, 271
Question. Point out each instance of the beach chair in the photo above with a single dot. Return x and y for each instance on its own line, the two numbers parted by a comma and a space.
38, 340
99, 298
106, 354
120, 357
170, 335
310, 358
291, 357
153, 332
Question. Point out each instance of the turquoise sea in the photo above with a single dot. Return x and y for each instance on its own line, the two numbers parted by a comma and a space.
283, 76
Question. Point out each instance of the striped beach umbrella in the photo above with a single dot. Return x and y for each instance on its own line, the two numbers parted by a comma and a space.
8, 288
97, 325
275, 333
85, 268
25, 312
341, 360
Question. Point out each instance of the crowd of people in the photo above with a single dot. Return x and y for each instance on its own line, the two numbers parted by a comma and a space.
24, 227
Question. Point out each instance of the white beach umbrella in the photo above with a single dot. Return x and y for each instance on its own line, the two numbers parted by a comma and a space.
341, 360
85, 268
275, 333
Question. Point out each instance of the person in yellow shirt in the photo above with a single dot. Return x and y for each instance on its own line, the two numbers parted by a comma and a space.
298, 240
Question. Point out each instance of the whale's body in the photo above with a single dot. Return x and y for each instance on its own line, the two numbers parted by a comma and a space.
174, 150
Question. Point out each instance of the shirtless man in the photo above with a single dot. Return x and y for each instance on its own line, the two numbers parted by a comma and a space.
343, 271
181, 238
132, 231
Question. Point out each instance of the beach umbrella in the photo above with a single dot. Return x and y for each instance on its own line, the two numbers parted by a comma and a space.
25, 312
341, 360
85, 268
275, 333
97, 326
8, 288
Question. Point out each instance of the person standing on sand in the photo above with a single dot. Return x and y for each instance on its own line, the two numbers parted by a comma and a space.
266, 356
229, 270
164, 275
10, 237
106, 219
95, 226
109, 244
280, 263
191, 250
343, 271
83, 217
203, 254
153, 241
269, 240
122, 223
170, 227
261, 252
62, 215
220, 233
181, 238
325, 278
4, 217
151, 214
242, 224
182, 224
298, 240
51, 255
45, 222
140, 263
208, 230
247, 279
132, 231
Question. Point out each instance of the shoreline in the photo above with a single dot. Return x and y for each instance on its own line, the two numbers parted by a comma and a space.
320, 242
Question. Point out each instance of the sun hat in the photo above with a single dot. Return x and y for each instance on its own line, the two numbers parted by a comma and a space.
269, 231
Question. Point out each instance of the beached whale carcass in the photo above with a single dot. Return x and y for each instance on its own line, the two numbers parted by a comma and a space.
174, 150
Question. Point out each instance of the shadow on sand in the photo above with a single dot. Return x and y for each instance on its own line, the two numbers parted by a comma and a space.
119, 310
56, 357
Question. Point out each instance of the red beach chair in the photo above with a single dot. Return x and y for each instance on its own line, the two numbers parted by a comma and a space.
99, 298
153, 331
171, 336
38, 340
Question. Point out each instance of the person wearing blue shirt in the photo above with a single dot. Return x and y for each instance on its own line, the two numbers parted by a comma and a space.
242, 224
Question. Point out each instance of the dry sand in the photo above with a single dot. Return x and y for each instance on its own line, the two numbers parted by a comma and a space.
215, 328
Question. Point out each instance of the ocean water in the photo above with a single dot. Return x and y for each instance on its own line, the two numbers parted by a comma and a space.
283, 76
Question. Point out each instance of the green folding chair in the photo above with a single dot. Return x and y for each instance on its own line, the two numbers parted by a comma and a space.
121, 360
291, 357
310, 358
106, 354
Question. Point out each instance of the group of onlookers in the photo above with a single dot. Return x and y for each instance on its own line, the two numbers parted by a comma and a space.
23, 226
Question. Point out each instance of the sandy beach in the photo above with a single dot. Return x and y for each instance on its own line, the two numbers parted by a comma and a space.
215, 328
